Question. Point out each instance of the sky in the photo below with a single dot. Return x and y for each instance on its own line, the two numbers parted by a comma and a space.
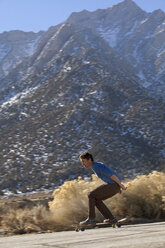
36, 15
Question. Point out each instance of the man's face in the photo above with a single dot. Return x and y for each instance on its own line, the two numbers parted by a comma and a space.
87, 163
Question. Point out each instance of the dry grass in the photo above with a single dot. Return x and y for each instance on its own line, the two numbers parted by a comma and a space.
144, 198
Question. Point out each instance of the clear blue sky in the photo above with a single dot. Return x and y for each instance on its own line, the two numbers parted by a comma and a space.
36, 15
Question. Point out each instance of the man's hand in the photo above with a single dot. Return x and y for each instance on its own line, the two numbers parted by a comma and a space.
122, 187
116, 179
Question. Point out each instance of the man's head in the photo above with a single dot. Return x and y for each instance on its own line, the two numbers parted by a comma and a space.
86, 159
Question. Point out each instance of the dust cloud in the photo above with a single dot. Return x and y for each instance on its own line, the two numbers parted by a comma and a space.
143, 199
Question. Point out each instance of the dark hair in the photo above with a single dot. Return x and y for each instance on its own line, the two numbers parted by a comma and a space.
86, 155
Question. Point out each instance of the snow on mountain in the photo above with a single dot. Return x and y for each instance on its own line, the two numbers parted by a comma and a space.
109, 35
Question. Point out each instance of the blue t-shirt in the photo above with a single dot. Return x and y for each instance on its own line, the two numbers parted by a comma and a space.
104, 172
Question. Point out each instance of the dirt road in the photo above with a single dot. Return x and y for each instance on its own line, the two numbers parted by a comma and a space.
134, 236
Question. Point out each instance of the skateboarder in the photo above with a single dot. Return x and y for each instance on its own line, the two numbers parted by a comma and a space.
111, 187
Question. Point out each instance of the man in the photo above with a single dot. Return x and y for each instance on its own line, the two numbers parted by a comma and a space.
111, 187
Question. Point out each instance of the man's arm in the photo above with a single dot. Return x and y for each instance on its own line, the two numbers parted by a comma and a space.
116, 179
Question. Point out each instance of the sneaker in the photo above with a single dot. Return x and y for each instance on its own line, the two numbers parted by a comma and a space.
108, 221
87, 222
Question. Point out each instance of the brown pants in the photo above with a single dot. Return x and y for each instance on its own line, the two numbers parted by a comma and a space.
97, 196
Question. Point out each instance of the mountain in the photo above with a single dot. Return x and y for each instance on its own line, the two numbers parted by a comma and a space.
134, 34
75, 92
14, 47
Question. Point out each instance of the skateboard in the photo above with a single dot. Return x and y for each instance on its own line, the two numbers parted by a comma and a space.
100, 225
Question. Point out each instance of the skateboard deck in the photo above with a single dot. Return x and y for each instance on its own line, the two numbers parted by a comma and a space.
100, 225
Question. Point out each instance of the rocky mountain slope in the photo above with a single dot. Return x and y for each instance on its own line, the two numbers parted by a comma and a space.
134, 34
14, 47
71, 93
